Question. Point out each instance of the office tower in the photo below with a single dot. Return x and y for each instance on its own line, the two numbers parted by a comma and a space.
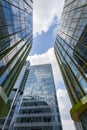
15, 44
15, 96
71, 53
39, 108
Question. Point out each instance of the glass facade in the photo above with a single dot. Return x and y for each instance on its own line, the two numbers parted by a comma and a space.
15, 43
71, 53
6, 123
39, 108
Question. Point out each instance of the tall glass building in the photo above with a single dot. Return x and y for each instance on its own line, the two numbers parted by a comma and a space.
15, 44
39, 108
71, 53
6, 122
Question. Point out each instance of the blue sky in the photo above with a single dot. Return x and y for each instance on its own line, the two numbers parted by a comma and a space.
46, 15
42, 42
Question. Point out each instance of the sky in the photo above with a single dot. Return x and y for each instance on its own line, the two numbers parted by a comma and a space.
46, 16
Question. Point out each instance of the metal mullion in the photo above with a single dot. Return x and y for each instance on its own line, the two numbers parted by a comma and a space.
74, 39
70, 70
79, 70
16, 70
71, 19
12, 60
79, 18
10, 73
27, 4
75, 78
6, 51
65, 79
74, 51
76, 8
78, 57
67, 25
70, 84
74, 65
69, 4
17, 7
12, 34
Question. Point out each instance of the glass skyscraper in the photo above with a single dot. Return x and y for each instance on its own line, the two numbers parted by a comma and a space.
71, 53
6, 122
15, 44
39, 108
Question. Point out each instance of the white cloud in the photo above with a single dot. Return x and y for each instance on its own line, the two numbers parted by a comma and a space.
44, 13
65, 105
